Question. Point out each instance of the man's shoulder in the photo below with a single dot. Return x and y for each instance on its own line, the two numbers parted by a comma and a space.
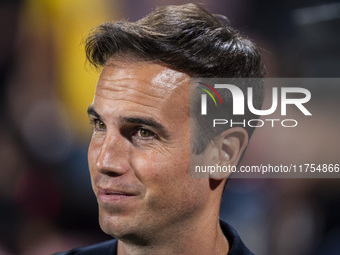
108, 247
237, 247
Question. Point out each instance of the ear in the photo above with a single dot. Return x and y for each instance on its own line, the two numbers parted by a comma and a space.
228, 149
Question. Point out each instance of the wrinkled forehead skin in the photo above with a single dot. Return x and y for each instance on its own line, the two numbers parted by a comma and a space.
156, 86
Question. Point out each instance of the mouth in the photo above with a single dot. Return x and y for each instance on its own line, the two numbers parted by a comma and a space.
112, 196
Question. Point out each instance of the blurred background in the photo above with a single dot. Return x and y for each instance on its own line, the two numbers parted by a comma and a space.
46, 201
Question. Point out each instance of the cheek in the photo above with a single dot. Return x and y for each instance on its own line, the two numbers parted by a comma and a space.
157, 169
92, 155
94, 149
167, 181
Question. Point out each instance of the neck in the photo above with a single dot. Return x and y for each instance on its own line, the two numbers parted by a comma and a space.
202, 238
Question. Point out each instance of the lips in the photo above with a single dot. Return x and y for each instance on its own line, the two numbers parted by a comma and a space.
105, 195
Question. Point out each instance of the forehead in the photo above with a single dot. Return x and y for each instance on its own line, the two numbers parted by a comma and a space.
151, 77
143, 86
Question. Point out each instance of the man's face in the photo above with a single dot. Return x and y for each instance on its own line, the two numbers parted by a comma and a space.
139, 155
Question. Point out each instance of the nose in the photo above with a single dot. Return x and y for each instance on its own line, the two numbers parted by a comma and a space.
112, 157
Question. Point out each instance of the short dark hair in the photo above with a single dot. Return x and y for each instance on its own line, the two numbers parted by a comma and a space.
186, 38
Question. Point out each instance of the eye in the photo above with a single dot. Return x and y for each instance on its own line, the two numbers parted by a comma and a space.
101, 125
98, 124
145, 133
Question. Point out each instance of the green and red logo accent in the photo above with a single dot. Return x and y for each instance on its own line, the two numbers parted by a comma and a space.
209, 93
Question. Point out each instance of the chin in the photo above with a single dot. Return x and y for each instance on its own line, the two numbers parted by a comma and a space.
109, 224
114, 226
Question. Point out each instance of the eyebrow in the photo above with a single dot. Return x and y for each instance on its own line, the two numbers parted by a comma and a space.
150, 122
91, 111
147, 122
